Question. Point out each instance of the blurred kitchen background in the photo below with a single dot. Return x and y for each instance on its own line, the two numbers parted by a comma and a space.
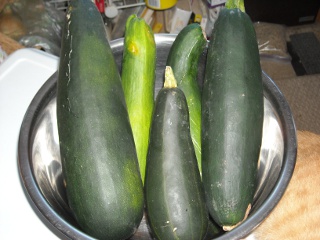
288, 35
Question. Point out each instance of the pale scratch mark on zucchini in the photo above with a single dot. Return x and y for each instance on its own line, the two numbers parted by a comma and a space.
69, 36
167, 224
69, 22
69, 105
69, 63
68, 15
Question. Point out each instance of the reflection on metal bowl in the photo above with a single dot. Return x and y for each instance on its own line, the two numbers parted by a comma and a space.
41, 172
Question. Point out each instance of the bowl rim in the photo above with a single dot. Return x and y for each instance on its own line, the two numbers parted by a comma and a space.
65, 230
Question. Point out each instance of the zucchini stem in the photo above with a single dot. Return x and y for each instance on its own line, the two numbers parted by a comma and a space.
169, 79
230, 4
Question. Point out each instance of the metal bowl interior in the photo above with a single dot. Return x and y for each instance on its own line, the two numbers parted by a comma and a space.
41, 172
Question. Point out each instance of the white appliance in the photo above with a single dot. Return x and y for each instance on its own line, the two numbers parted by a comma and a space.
21, 76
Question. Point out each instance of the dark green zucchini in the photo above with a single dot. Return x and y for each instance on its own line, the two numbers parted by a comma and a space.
232, 118
174, 193
184, 58
213, 230
98, 155
138, 79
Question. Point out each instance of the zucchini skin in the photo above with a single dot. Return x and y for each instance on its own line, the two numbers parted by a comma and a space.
184, 58
99, 161
173, 189
138, 80
232, 118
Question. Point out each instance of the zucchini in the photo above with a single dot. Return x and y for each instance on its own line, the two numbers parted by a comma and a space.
173, 189
232, 118
138, 79
213, 230
99, 161
184, 58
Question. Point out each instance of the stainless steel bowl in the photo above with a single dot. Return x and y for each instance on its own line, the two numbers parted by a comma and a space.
40, 166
